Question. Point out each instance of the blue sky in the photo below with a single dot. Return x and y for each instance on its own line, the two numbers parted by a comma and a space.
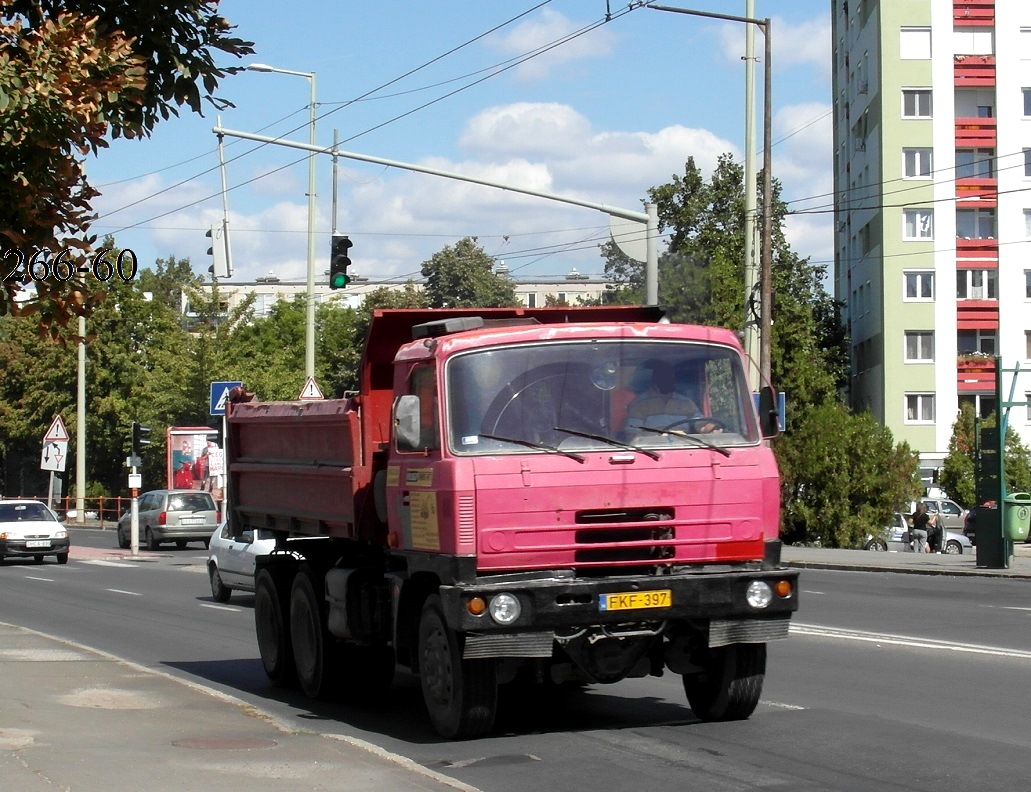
601, 118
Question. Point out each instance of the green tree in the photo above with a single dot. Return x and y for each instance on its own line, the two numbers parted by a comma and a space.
71, 73
842, 476
463, 276
958, 472
169, 280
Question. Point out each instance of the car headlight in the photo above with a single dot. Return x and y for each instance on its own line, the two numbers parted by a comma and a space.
505, 608
60, 534
759, 594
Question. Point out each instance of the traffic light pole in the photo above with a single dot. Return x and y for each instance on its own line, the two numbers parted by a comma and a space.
650, 217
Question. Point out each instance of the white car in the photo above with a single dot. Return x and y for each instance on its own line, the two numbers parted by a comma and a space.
891, 539
231, 560
28, 529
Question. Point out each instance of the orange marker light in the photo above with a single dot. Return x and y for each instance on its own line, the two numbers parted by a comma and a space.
476, 606
783, 588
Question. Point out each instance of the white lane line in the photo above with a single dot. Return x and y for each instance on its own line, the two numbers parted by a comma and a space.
130, 593
1012, 607
45, 580
906, 640
810, 591
220, 607
101, 562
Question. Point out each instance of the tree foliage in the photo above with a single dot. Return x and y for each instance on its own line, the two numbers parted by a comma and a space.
958, 477
463, 275
842, 476
73, 72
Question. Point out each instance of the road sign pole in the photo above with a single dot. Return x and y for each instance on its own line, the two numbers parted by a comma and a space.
134, 521
50, 492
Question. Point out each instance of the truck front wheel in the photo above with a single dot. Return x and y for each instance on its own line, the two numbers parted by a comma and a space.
731, 684
270, 626
461, 695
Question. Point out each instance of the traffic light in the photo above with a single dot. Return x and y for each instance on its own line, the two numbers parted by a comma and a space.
339, 262
219, 252
140, 437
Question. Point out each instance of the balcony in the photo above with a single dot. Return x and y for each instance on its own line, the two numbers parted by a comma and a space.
973, 12
981, 250
977, 314
974, 71
975, 373
983, 191
975, 133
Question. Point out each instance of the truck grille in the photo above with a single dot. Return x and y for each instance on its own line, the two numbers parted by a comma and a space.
632, 535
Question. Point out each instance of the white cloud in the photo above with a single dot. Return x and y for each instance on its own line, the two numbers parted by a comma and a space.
805, 44
543, 30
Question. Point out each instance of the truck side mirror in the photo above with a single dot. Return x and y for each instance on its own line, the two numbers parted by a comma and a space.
769, 417
407, 428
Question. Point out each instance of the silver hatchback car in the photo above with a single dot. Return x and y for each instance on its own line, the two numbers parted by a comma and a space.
178, 516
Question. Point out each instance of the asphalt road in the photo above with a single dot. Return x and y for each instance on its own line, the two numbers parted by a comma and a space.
889, 682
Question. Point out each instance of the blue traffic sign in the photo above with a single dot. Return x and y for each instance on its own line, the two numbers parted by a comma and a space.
220, 395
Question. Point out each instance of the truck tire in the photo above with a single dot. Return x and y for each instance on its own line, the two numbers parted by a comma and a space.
730, 687
309, 636
272, 630
461, 695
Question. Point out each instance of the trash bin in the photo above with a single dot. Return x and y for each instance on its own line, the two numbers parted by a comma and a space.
1018, 516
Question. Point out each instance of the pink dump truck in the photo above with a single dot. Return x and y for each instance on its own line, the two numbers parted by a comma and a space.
557, 496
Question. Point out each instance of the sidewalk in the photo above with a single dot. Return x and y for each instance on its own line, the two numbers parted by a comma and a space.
911, 563
79, 720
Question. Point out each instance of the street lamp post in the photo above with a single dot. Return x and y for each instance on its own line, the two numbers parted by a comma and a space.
309, 319
766, 254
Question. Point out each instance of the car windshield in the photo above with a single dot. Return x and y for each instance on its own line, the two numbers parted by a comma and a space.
598, 395
25, 512
198, 502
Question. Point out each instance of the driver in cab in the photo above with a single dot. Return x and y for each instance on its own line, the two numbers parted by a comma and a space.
661, 406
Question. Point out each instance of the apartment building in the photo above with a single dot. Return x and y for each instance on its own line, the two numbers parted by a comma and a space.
572, 289
932, 176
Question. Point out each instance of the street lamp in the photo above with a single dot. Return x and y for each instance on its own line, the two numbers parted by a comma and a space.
766, 254
309, 320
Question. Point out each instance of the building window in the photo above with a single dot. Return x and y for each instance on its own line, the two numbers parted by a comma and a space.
919, 408
919, 285
918, 224
1027, 163
975, 341
1025, 37
1027, 284
1027, 223
1027, 102
975, 164
919, 346
973, 41
529, 299
915, 43
1027, 345
917, 163
981, 403
976, 285
916, 103
975, 224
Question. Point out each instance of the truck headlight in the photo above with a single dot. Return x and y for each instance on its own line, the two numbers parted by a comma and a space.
505, 608
759, 594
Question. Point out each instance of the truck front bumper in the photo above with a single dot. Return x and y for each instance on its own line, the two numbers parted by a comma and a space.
562, 603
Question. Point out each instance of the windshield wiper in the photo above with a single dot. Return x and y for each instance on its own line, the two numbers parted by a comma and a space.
611, 441
689, 437
538, 446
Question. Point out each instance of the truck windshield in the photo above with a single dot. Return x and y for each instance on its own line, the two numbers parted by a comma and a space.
596, 395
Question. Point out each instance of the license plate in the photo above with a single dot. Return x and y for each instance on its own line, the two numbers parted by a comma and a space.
191, 521
635, 600
38, 543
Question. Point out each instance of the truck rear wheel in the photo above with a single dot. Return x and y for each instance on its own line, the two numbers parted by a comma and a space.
461, 695
271, 628
731, 684
310, 639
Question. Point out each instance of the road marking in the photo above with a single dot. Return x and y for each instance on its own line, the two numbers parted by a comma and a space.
45, 580
130, 593
99, 562
905, 640
220, 607
810, 591
1012, 607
